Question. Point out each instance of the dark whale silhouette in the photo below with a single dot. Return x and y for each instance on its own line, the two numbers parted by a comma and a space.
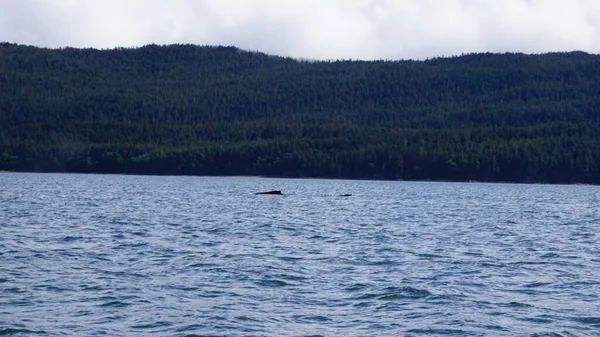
346, 195
270, 192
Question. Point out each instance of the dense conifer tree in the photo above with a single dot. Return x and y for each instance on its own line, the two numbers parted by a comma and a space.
184, 109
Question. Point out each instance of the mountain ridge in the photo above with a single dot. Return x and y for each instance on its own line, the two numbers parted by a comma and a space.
185, 109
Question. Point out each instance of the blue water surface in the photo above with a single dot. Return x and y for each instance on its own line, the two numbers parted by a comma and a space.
90, 255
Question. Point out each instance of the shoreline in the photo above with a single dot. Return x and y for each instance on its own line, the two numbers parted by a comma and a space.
315, 178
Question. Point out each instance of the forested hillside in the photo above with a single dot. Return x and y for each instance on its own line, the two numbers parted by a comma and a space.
184, 109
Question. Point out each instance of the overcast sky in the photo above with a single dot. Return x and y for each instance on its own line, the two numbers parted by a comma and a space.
311, 29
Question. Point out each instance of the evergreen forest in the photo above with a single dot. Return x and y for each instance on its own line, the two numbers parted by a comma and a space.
214, 110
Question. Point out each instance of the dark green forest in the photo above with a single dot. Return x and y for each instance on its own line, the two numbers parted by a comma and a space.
200, 110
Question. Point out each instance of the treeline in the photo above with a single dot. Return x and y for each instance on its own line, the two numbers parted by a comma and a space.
185, 109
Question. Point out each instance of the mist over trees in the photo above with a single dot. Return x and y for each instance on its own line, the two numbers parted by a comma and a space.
184, 109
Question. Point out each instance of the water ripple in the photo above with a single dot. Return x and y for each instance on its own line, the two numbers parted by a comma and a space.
195, 256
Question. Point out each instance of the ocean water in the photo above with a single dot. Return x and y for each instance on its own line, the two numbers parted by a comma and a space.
91, 255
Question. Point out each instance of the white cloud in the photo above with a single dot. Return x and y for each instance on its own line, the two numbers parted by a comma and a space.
319, 29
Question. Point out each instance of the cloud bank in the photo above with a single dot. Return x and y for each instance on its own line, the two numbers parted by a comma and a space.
313, 29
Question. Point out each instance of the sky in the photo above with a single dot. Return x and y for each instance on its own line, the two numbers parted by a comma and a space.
311, 29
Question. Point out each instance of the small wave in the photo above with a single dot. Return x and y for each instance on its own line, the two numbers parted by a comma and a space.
392, 297
385, 262
245, 318
215, 231
520, 305
290, 258
211, 244
82, 313
126, 246
549, 255
182, 287
540, 319
288, 277
201, 265
363, 304
395, 293
140, 233
439, 332
495, 327
190, 328
115, 304
595, 321
356, 287
272, 283
493, 265
311, 318
14, 290
159, 324
537, 284
368, 296
405, 292
430, 256
214, 294
86, 287
11, 332
477, 254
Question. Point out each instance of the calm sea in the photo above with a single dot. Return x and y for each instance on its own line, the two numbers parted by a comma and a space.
90, 255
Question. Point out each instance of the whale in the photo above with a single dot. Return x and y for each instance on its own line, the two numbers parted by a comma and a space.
271, 192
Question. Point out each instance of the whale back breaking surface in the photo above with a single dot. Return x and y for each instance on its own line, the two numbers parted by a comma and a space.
276, 192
